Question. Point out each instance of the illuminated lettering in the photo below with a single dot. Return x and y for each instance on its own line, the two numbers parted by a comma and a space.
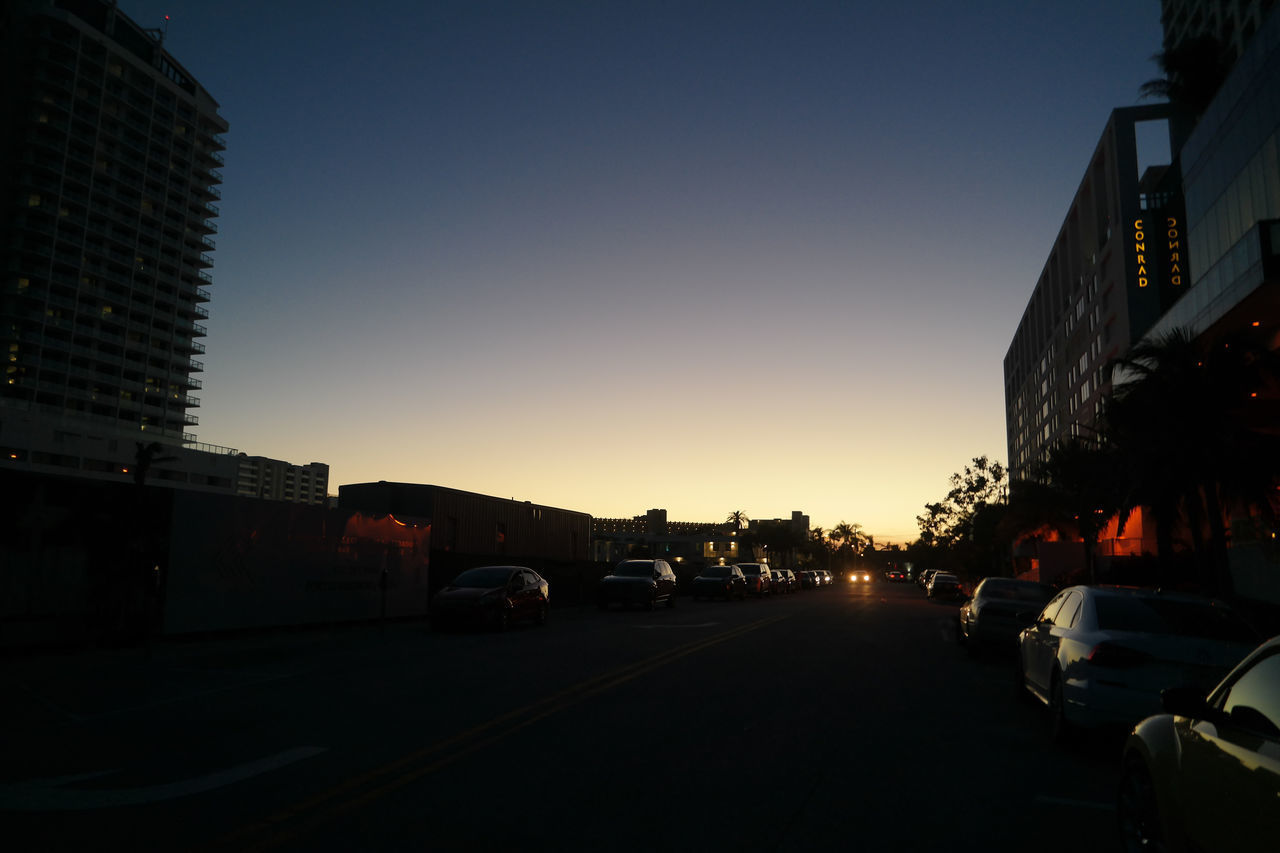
1142, 282
1142, 259
1141, 247
1175, 257
1175, 244
1171, 222
1175, 280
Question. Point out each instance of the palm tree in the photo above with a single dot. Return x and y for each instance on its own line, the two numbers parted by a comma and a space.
737, 519
1193, 72
144, 457
1187, 443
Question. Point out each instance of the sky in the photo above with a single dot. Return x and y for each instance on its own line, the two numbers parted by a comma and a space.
615, 256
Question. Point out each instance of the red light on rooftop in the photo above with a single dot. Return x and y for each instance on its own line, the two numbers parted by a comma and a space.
1256, 324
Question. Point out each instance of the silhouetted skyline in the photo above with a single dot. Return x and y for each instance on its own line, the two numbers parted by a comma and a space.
736, 256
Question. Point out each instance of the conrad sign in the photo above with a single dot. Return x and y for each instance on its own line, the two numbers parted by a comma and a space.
1166, 248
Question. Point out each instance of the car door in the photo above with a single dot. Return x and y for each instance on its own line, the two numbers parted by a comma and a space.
1230, 774
530, 595
1038, 645
666, 579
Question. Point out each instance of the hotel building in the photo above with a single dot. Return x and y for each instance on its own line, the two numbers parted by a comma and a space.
1117, 265
111, 153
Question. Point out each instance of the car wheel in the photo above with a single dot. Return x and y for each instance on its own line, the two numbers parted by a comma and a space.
501, 619
543, 613
671, 599
1059, 726
652, 602
1137, 810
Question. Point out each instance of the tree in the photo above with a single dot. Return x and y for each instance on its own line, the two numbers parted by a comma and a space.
1189, 445
144, 457
737, 520
948, 521
1193, 71
1074, 492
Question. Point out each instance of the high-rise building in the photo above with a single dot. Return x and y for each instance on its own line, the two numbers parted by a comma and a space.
109, 155
1231, 177
1115, 267
1232, 22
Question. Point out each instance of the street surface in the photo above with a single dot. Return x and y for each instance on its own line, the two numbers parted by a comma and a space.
836, 719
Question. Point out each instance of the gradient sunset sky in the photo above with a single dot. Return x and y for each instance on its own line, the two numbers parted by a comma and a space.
610, 256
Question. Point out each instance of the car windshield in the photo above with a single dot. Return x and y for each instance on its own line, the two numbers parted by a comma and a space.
1171, 616
484, 578
1017, 590
750, 570
634, 570
715, 572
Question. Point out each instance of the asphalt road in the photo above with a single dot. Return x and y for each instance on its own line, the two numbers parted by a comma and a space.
838, 719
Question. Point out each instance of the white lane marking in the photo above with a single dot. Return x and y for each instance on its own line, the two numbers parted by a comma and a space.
46, 795
1075, 804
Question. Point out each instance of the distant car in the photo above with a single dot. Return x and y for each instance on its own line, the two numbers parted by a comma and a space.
494, 596
787, 580
809, 579
1206, 774
860, 577
645, 583
944, 585
998, 610
925, 577
720, 581
827, 579
759, 580
1101, 655
895, 576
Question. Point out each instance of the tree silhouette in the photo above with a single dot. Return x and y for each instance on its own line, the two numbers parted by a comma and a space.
1188, 445
1193, 71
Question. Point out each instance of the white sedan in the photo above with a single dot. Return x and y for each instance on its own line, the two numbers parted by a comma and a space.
1100, 656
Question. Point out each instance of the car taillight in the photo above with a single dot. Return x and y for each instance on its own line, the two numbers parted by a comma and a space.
1112, 654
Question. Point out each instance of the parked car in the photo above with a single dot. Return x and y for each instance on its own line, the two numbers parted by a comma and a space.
494, 596
1100, 655
759, 581
809, 579
787, 580
998, 610
925, 577
642, 582
717, 581
1205, 775
944, 585
827, 579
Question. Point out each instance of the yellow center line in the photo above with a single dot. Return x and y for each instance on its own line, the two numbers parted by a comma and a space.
467, 742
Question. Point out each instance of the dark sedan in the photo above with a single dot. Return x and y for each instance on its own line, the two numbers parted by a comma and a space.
493, 596
643, 582
992, 616
720, 581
